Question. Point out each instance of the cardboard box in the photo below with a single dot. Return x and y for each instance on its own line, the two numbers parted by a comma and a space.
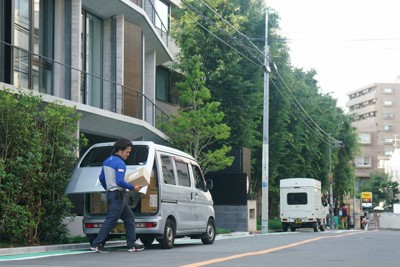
138, 177
95, 197
94, 207
152, 187
149, 203
98, 203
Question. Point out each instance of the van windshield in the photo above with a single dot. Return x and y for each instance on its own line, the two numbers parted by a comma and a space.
96, 156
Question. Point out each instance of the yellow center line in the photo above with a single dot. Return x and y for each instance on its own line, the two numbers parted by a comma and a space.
237, 256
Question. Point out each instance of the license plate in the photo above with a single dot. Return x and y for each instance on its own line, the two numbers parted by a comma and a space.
297, 221
119, 229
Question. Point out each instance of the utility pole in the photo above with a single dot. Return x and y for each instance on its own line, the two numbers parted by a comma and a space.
265, 155
335, 144
331, 186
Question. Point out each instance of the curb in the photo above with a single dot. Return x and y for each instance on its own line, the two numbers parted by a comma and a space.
37, 249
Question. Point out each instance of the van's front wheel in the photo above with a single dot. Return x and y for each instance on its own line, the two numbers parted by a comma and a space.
169, 235
210, 233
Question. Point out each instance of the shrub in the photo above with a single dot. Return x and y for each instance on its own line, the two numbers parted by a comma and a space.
38, 145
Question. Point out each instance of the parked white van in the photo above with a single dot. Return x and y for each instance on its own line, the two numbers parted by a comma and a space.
301, 204
177, 202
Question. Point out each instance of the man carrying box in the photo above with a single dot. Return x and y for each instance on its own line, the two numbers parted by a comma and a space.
112, 179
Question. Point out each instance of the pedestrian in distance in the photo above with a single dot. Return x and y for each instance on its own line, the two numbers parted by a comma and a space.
335, 222
343, 213
364, 222
377, 217
112, 179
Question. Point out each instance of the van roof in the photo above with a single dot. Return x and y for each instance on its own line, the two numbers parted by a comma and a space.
290, 182
151, 144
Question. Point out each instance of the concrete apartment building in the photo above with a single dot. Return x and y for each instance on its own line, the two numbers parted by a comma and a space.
376, 110
108, 58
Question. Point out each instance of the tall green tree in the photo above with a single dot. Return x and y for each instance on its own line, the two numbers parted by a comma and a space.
233, 80
198, 125
303, 123
37, 152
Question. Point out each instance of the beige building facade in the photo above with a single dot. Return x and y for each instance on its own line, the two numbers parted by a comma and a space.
376, 111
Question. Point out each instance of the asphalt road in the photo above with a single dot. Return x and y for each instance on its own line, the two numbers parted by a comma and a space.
302, 248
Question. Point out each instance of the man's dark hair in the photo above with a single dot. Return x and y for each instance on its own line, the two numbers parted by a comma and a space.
121, 144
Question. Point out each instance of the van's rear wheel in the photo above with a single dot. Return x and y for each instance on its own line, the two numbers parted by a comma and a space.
92, 237
285, 227
315, 226
147, 241
210, 233
169, 235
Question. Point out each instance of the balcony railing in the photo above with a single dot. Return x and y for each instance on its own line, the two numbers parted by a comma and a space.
156, 20
45, 75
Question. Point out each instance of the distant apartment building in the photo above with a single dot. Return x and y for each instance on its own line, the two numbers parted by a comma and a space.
376, 111
109, 58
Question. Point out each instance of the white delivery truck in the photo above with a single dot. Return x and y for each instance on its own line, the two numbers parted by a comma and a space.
301, 204
177, 202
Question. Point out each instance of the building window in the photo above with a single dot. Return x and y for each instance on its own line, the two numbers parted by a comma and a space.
364, 138
92, 60
33, 40
163, 11
388, 103
163, 84
388, 140
388, 128
388, 152
363, 161
388, 115
387, 90
381, 163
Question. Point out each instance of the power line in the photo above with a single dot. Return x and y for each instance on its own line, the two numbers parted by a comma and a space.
302, 118
227, 22
257, 64
239, 42
303, 110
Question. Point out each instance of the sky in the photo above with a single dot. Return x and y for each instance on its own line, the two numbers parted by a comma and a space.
350, 43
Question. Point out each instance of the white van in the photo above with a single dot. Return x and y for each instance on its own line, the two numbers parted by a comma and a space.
177, 202
301, 204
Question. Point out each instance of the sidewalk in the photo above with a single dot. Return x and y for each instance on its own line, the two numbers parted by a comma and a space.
77, 246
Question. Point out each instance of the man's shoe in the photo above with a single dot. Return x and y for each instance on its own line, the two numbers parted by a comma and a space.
136, 248
98, 249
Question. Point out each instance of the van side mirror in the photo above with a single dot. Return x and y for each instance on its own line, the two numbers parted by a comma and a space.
209, 184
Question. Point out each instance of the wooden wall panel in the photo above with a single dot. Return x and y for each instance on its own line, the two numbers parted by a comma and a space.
133, 70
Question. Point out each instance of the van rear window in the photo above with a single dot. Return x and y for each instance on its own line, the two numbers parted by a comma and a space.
297, 198
96, 156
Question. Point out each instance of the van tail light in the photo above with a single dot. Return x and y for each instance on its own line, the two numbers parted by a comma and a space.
146, 224
93, 225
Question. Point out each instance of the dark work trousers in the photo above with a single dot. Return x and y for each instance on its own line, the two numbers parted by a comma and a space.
117, 208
